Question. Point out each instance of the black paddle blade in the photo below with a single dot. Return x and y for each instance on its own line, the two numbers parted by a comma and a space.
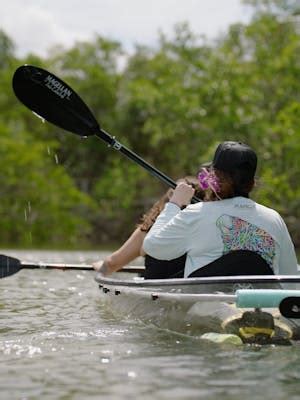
9, 266
53, 100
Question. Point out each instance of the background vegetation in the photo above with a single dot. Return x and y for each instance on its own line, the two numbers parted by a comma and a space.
170, 104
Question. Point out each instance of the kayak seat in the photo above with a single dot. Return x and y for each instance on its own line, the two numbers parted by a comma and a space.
234, 263
164, 269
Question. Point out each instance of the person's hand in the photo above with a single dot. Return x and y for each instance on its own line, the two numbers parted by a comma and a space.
101, 267
182, 194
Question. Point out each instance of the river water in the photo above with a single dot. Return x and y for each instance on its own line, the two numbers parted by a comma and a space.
59, 342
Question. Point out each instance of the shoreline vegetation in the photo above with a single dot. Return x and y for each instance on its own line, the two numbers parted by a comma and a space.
171, 105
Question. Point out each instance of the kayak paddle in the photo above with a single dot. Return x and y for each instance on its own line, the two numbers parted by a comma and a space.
10, 266
53, 100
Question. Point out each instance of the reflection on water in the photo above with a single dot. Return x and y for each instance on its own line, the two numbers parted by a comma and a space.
59, 342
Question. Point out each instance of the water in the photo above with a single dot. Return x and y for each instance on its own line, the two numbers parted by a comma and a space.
59, 342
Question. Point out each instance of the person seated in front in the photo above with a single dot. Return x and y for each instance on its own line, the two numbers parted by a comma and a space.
227, 233
132, 248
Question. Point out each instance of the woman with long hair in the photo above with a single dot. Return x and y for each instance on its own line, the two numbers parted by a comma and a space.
132, 248
228, 233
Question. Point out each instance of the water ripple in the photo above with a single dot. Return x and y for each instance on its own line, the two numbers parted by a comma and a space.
59, 342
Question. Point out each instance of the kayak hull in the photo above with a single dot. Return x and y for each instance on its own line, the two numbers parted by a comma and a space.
197, 306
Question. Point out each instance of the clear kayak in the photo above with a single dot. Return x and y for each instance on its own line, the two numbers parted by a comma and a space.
257, 309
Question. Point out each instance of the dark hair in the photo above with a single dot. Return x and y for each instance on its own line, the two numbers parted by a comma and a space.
234, 164
150, 216
236, 156
232, 184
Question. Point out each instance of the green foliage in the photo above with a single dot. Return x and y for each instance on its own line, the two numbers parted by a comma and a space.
91, 68
6, 50
277, 7
122, 194
39, 202
171, 105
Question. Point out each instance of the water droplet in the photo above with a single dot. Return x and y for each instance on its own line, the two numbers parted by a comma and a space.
131, 374
41, 118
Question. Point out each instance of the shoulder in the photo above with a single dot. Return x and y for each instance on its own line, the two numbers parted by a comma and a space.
267, 211
271, 217
193, 208
197, 210
204, 206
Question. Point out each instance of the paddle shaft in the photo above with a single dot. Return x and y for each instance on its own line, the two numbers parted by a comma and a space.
76, 267
11, 265
112, 142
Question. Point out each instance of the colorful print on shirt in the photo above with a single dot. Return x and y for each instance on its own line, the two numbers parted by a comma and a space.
238, 234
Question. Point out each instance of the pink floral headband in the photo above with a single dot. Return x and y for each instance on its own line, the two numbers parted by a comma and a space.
208, 179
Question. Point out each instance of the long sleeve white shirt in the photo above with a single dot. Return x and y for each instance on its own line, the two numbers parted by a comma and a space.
207, 230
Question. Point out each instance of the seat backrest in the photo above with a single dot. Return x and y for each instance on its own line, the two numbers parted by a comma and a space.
238, 262
164, 269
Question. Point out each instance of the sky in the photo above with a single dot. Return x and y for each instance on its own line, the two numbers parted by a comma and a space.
37, 25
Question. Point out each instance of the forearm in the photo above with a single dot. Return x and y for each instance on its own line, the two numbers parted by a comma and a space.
130, 250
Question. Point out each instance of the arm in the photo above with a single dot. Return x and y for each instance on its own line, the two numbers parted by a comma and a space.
130, 250
168, 238
288, 259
